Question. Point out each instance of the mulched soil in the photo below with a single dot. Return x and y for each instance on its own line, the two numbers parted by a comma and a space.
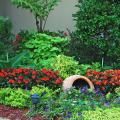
16, 114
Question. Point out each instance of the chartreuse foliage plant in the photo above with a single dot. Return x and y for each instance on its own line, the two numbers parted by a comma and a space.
14, 97
44, 92
42, 47
82, 104
21, 98
117, 91
98, 30
68, 66
65, 65
39, 8
100, 114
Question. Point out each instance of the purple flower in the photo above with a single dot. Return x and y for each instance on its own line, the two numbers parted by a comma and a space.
46, 109
26, 88
68, 114
106, 104
79, 113
97, 91
84, 89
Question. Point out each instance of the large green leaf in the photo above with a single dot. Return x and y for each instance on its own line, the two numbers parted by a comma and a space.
15, 61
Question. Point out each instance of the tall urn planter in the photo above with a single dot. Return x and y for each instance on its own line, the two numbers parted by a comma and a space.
77, 80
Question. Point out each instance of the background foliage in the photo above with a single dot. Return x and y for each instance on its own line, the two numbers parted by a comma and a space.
5, 40
98, 30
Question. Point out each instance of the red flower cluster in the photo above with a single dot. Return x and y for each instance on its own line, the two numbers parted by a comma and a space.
28, 77
65, 33
107, 80
17, 39
51, 76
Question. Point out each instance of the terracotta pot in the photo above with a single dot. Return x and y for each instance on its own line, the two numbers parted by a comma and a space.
68, 82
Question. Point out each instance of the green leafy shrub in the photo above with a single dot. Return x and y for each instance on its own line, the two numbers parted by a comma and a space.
42, 47
65, 65
100, 114
20, 39
14, 97
98, 30
94, 66
68, 66
21, 98
21, 59
117, 91
5, 32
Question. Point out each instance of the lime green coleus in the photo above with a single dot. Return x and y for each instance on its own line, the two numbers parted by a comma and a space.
42, 47
100, 114
66, 66
14, 97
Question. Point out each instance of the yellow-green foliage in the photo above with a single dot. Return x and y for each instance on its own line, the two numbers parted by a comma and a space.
14, 97
117, 91
21, 98
65, 65
100, 114
44, 92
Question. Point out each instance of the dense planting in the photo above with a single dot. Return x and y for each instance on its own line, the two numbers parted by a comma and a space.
26, 78
107, 81
43, 47
98, 30
33, 65
73, 104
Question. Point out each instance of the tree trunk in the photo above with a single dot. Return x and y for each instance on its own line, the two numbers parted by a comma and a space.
37, 23
41, 26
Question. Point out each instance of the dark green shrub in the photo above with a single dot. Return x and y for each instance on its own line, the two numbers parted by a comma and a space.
5, 38
98, 30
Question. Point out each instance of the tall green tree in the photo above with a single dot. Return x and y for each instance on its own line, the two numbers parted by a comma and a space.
39, 8
98, 29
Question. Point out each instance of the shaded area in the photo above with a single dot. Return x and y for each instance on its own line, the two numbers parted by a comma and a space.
80, 83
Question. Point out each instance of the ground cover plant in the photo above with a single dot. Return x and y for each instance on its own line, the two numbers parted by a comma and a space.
73, 104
